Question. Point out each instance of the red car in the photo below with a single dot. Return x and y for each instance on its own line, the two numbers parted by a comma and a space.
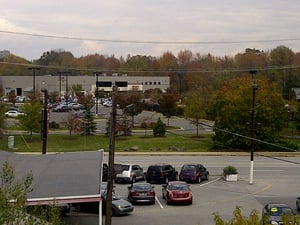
177, 192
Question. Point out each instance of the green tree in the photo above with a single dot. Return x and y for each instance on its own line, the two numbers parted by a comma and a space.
31, 121
89, 126
13, 196
194, 110
159, 129
231, 107
3, 108
167, 104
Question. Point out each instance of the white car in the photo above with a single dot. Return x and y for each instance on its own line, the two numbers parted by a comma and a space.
13, 113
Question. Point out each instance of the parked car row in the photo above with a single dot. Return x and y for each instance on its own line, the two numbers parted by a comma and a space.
173, 192
67, 107
157, 173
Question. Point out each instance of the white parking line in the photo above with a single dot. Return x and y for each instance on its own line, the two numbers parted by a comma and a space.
210, 181
161, 206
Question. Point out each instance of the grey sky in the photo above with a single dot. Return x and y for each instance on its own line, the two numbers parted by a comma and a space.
152, 20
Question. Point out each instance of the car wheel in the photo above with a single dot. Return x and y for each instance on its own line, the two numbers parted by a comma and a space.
199, 179
207, 176
166, 180
298, 206
133, 179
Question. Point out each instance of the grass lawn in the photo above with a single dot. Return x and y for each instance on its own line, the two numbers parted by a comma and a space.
66, 143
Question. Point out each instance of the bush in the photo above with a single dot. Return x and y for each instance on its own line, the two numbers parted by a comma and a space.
54, 125
159, 129
229, 170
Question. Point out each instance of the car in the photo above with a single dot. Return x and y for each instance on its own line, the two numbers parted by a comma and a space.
13, 113
161, 173
128, 173
298, 203
193, 173
273, 213
177, 192
120, 206
141, 193
104, 172
107, 104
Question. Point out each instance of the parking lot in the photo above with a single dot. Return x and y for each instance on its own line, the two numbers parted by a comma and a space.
275, 180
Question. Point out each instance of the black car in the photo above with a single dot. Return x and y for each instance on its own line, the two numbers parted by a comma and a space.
161, 173
141, 193
273, 213
193, 173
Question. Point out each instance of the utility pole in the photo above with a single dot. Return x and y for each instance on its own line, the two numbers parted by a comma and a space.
253, 125
111, 156
45, 122
33, 78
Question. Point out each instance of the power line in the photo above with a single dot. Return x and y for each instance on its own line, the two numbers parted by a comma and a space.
149, 42
175, 70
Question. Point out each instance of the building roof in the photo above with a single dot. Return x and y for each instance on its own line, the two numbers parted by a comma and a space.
61, 175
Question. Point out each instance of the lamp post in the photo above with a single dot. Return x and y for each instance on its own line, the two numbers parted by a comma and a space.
97, 93
33, 77
253, 123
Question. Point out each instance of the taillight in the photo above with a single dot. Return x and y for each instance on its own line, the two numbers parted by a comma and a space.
152, 193
133, 193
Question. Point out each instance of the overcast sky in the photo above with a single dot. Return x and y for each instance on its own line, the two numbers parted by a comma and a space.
122, 27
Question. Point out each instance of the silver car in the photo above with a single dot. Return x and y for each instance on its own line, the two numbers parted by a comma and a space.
128, 173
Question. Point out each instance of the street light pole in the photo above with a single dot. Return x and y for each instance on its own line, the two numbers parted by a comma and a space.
253, 123
97, 93
33, 78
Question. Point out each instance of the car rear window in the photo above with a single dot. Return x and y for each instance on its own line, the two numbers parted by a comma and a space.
154, 168
179, 187
188, 167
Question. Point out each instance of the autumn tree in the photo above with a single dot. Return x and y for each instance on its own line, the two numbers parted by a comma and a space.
195, 110
72, 122
231, 111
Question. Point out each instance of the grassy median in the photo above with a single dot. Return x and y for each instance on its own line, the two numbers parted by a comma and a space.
141, 143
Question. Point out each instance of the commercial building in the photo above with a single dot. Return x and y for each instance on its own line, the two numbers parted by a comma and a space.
23, 85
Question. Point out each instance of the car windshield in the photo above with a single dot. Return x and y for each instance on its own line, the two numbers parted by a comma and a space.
278, 211
179, 187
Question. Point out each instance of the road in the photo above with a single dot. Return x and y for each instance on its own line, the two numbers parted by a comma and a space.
275, 180
184, 125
